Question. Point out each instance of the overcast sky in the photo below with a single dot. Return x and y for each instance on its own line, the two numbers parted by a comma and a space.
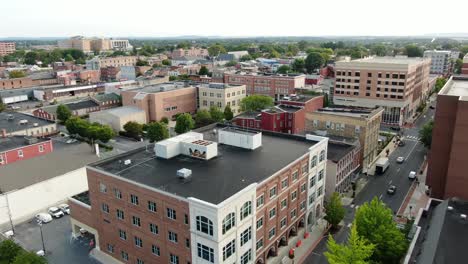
159, 18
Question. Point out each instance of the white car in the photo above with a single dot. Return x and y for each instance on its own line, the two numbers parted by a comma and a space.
65, 208
71, 141
412, 175
55, 212
400, 159
43, 217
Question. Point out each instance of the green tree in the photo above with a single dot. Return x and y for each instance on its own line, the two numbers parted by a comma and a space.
231, 64
227, 113
133, 129
313, 62
203, 70
75, 125
63, 113
69, 57
216, 114
458, 66
8, 251
356, 251
256, 103
157, 131
326, 102
29, 258
334, 210
374, 222
293, 49
274, 54
302, 45
379, 50
425, 134
246, 58
184, 123
216, 49
413, 51
105, 133
284, 69
440, 82
166, 62
298, 65
165, 120
203, 118
31, 58
2, 105
17, 74
141, 63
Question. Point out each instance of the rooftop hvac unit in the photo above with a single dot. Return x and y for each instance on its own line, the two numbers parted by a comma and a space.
463, 216
36, 124
127, 162
450, 208
184, 173
23, 122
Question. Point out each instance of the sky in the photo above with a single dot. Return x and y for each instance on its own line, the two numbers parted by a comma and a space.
235, 18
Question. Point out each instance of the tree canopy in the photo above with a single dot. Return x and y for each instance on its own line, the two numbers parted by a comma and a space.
425, 134
29, 258
203, 118
216, 49
356, 251
313, 62
17, 74
203, 70
157, 131
228, 115
413, 51
284, 69
334, 210
216, 114
184, 123
63, 113
298, 65
93, 132
8, 251
133, 129
256, 103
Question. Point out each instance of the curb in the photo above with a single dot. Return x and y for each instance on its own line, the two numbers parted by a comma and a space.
302, 259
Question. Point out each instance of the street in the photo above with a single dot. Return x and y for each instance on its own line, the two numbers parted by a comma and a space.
397, 174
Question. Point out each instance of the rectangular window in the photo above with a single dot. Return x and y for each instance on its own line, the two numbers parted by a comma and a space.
154, 228
172, 236
293, 195
151, 206
303, 187
320, 175
138, 242
260, 223
136, 221
205, 252
41, 148
284, 183
260, 200
110, 248
305, 168
102, 187
122, 234
303, 205
117, 193
246, 236
174, 259
320, 191
273, 192
155, 250
134, 199
171, 213
312, 182
271, 233
246, 257
139, 261
272, 213
295, 175
229, 249
187, 243
105, 208
284, 204
312, 198
124, 255
259, 244
283, 223
293, 213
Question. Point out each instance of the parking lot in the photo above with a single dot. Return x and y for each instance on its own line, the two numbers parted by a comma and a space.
60, 246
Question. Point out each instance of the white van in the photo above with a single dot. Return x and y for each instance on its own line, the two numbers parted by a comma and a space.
412, 175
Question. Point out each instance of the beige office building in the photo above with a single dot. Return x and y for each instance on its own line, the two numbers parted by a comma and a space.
358, 123
88, 45
221, 95
395, 83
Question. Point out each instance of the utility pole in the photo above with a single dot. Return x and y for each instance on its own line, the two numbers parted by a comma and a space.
42, 237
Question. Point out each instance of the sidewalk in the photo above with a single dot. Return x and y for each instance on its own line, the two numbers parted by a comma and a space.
347, 197
306, 247
416, 197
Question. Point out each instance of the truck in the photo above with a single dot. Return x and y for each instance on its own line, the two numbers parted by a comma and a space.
381, 165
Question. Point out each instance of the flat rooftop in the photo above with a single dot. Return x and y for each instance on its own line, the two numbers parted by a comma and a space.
17, 142
162, 87
349, 111
73, 106
390, 60
456, 86
216, 179
10, 121
337, 150
218, 85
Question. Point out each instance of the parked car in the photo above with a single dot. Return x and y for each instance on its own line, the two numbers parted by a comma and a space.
43, 217
65, 208
412, 175
396, 128
391, 189
71, 141
55, 212
400, 159
401, 143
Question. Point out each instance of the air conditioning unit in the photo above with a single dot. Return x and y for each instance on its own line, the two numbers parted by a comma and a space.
36, 124
127, 162
184, 173
23, 122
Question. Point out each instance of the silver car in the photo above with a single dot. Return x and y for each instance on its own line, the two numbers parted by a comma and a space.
400, 159
43, 217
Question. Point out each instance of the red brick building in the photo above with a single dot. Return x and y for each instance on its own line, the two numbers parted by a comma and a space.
7, 48
448, 162
17, 148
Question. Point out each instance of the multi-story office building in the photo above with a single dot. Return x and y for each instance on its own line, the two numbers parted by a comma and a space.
192, 52
7, 48
97, 63
221, 95
395, 83
274, 85
162, 100
234, 196
448, 162
358, 123
88, 45
440, 61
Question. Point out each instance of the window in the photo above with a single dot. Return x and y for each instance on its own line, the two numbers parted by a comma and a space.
284, 204
174, 259
259, 244
293, 213
246, 236
120, 214
136, 221
320, 191
260, 200
229, 249
41, 148
139, 261
293, 195
302, 205
151, 206
172, 236
246, 257
314, 162
102, 187
284, 183
272, 212
124, 255
283, 223
105, 208
122, 234
154, 228
204, 225
305, 168
271, 233
205, 252
138, 242
312, 198
312, 182
117, 193
295, 175
155, 250
322, 155
171, 213
273, 192
320, 175
187, 243
260, 223
110, 248
246, 210
229, 222
303, 187
186, 220
134, 199
211, 94
20, 153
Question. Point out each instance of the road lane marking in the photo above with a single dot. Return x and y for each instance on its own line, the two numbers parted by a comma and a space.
380, 197
390, 182
398, 170
412, 150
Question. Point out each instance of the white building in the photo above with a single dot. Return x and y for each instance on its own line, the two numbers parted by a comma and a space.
440, 61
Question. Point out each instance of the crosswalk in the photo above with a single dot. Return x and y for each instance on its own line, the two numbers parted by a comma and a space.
412, 138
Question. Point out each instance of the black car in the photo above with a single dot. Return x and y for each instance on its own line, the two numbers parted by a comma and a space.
396, 128
391, 189
401, 143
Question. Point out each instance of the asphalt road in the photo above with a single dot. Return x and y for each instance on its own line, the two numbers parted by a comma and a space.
396, 174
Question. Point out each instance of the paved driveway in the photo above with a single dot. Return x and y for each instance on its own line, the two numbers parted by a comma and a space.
60, 247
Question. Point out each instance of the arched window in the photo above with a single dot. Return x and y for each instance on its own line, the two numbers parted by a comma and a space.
229, 222
322, 155
314, 162
246, 210
204, 225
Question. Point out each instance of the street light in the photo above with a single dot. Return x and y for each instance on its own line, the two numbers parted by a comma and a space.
42, 236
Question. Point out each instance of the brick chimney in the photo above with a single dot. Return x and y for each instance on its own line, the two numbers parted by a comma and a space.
4, 133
